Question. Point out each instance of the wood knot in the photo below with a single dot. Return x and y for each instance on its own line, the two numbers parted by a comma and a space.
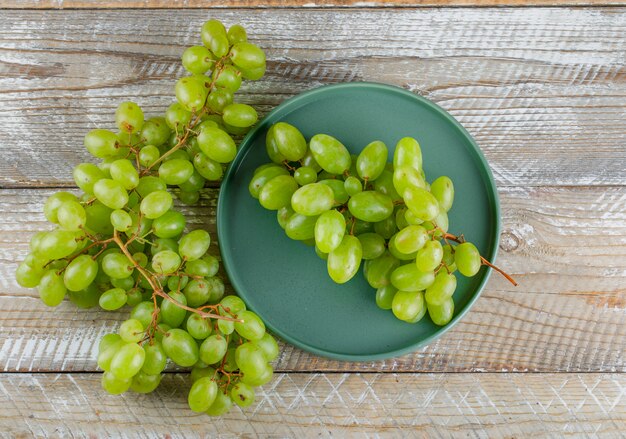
509, 241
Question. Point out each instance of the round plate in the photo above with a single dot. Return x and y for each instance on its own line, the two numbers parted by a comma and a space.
284, 281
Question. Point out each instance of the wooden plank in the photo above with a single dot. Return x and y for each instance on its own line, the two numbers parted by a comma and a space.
535, 86
327, 405
565, 246
122, 4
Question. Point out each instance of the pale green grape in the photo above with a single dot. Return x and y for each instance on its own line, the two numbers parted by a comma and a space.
345, 260
175, 171
407, 177
121, 220
443, 190
197, 292
87, 298
129, 117
177, 117
229, 78
221, 405
85, 176
309, 161
189, 198
253, 74
202, 394
282, 216
194, 245
51, 288
441, 314
300, 227
171, 313
124, 172
429, 257
116, 266
442, 289
277, 192
197, 59
263, 176
143, 313
330, 153
329, 230
214, 37
156, 204
113, 299
409, 278
288, 140
237, 34
207, 266
380, 269
231, 305
113, 384
191, 93
80, 273
71, 216
353, 185
387, 227
305, 175
312, 199
242, 394
131, 331
101, 143
410, 239
448, 258
251, 327
408, 153
247, 56
54, 202
240, 115
150, 184
219, 99
125, 283
421, 203
177, 283
110, 193
144, 383
216, 289
412, 219
56, 244
180, 347
169, 225
372, 160
339, 190
28, 276
391, 245
267, 344
370, 206
155, 131
372, 244
385, 295
133, 296
213, 349
250, 359
127, 361
406, 305
198, 327
207, 168
467, 259
165, 262
107, 341
217, 145
155, 360
161, 244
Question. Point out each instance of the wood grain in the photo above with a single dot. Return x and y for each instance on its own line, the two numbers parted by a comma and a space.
566, 247
542, 87
327, 405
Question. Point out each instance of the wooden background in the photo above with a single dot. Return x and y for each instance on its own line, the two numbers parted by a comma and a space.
542, 89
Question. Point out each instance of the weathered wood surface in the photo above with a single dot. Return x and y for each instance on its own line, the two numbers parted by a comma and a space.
327, 405
541, 89
566, 247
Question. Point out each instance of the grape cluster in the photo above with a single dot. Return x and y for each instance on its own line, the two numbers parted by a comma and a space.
355, 208
122, 242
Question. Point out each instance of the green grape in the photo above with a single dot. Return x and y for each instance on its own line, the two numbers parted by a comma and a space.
372, 244
329, 231
51, 288
206, 267
309, 161
247, 56
231, 306
407, 177
312, 199
87, 298
207, 168
253, 74
98, 218
240, 115
372, 160
214, 37
353, 186
144, 383
143, 313
443, 190
441, 314
330, 153
189, 198
250, 359
267, 344
345, 260
467, 259
161, 244
219, 99
441, 221
71, 216
442, 289
176, 171
180, 347
113, 299
108, 350
155, 360
288, 140
101, 143
305, 175
339, 191
401, 222
409, 278
197, 59
429, 257
421, 203
150, 184
200, 371
54, 202
107, 341
242, 394
117, 266
124, 172
202, 394
171, 313
121, 220
385, 295
272, 147
384, 185
194, 245
110, 193
221, 405
277, 192
191, 93
301, 227
386, 228
407, 305
28, 276
169, 225
251, 327
237, 34
127, 361
57, 244
177, 117
282, 216
131, 331
228, 77
263, 376
217, 145
213, 349
198, 327
380, 269
80, 273
85, 176
216, 289
398, 254
408, 153
412, 219
197, 292
134, 296
194, 183
411, 239
448, 258
155, 131
165, 262
156, 204
113, 384
139, 226
177, 283
129, 117
371, 206
125, 283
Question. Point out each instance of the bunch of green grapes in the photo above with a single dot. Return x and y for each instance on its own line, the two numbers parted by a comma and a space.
122, 243
362, 208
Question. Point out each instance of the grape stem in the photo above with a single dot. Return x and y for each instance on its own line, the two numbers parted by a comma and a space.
483, 260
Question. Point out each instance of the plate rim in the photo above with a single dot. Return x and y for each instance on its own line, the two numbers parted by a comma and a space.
292, 104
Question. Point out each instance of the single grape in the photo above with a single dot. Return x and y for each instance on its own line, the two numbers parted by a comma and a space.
194, 245
448, 258
229, 77
191, 93
213, 349
372, 244
169, 225
353, 185
177, 117
441, 314
124, 172
207, 168
267, 344
155, 359
180, 347
114, 385
156, 204
277, 192
408, 153
372, 160
165, 262
85, 176
71, 216
380, 269
301, 227
330, 153
467, 259
429, 257
87, 298
442, 289
251, 327
127, 361
51, 288
386, 228
407, 305
217, 144
288, 141
242, 394
116, 266
129, 117
28, 276
113, 299
197, 59
329, 230
207, 266
219, 99
247, 56
409, 278
214, 37
110, 193
312, 199
134, 296
405, 177
176, 171
198, 327
250, 359
421, 203
193, 183
155, 131
371, 206
262, 376
443, 190
150, 184
144, 383
344, 261
80, 273
221, 405
411, 239
171, 313
52, 204
240, 115
385, 295
237, 34
101, 143
305, 175
202, 394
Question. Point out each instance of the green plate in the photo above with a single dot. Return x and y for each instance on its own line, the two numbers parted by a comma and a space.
284, 281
